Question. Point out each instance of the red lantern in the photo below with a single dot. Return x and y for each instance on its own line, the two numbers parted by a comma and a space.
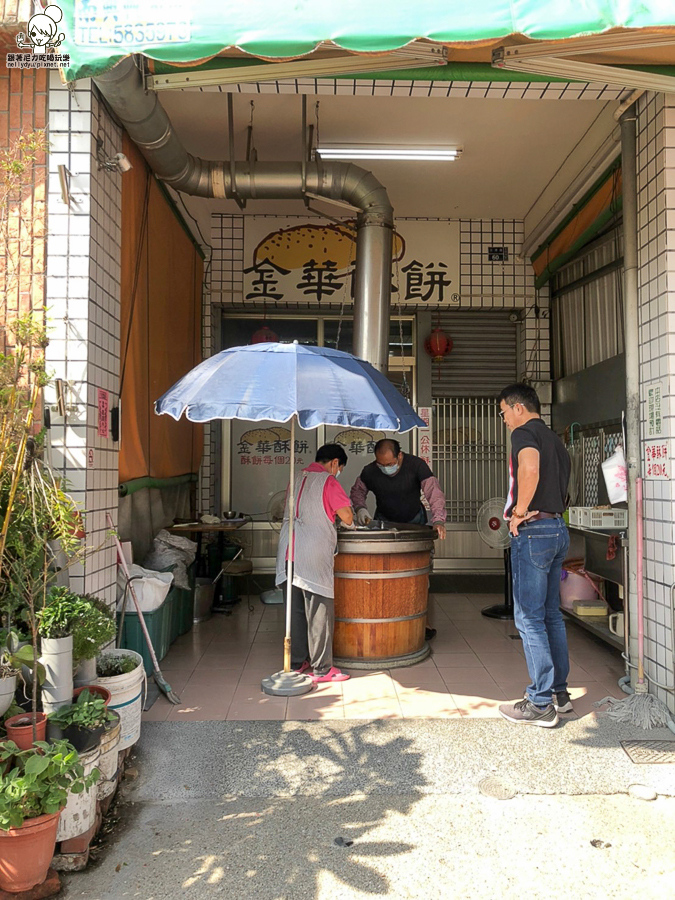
438, 345
264, 335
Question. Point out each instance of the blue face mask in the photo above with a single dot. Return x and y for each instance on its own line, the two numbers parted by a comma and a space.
389, 470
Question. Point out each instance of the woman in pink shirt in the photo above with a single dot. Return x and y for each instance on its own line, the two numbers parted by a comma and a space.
319, 499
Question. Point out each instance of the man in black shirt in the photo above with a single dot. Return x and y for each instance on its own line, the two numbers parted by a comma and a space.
539, 475
398, 480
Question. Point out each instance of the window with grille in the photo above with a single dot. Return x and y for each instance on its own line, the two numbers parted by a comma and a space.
469, 453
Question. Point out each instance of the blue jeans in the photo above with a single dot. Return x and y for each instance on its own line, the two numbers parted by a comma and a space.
537, 556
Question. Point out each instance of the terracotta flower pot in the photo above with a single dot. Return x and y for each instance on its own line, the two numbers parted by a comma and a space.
94, 690
26, 852
20, 729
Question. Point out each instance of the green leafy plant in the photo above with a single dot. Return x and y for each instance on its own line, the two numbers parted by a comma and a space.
13, 657
58, 617
89, 711
39, 781
110, 666
93, 630
36, 513
88, 619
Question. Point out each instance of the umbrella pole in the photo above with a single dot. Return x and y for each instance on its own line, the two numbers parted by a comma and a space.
291, 552
287, 683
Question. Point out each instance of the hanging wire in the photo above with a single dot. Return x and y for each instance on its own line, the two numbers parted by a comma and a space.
405, 387
348, 281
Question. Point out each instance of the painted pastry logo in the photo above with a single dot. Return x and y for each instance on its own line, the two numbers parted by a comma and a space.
42, 38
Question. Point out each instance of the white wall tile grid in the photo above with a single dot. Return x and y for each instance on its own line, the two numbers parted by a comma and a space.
656, 249
83, 276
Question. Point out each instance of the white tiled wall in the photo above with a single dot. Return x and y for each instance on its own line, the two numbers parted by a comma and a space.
656, 248
83, 300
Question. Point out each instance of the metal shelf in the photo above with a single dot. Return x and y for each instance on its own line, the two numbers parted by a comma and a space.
597, 625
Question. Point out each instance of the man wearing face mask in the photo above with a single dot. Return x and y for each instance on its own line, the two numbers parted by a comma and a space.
319, 499
397, 480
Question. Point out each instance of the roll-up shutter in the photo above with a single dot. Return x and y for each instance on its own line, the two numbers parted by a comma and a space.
483, 357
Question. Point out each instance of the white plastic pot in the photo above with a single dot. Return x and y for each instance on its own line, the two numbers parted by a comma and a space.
85, 673
79, 813
128, 697
57, 658
108, 762
7, 689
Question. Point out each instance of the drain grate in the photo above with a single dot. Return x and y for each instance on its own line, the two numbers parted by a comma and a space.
650, 752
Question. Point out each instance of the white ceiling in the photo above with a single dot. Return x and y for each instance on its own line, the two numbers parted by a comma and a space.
512, 148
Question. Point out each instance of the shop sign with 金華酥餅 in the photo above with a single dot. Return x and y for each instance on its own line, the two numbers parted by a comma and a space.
657, 460
289, 260
261, 458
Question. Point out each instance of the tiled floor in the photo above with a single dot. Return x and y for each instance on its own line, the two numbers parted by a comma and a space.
217, 668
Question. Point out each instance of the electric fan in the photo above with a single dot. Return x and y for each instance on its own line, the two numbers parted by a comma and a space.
494, 531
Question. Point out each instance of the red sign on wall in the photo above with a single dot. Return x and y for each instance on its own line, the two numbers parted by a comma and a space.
103, 407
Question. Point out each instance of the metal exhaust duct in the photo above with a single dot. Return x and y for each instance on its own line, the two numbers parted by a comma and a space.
150, 128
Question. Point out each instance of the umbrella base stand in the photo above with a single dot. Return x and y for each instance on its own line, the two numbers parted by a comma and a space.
287, 684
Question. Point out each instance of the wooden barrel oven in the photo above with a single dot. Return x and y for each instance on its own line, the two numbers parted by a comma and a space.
381, 591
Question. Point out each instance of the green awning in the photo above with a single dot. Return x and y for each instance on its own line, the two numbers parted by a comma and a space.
99, 34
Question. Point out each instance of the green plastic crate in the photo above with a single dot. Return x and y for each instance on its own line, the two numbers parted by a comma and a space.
158, 623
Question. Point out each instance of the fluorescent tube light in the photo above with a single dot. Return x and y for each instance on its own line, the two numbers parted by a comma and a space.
388, 152
411, 57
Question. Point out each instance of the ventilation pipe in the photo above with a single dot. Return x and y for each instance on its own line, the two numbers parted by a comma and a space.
150, 128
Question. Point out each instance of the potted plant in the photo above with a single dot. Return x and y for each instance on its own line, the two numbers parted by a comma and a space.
94, 628
123, 674
56, 623
32, 794
82, 723
22, 727
35, 510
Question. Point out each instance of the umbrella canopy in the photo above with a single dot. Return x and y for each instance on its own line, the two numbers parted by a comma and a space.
320, 385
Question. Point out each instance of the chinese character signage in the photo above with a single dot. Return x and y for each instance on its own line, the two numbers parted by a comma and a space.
657, 460
425, 451
261, 461
654, 396
314, 262
103, 407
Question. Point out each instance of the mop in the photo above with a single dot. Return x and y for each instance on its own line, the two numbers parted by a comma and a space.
640, 708
161, 682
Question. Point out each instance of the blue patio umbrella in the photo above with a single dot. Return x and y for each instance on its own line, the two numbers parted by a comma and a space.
319, 385
297, 383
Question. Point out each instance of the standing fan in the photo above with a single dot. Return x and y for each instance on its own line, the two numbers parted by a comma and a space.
276, 508
494, 531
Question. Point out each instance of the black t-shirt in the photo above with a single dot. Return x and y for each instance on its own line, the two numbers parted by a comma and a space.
397, 496
554, 467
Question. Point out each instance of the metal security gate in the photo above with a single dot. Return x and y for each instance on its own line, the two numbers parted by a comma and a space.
470, 441
470, 454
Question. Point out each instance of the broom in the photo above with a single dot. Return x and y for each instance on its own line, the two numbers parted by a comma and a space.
641, 708
161, 682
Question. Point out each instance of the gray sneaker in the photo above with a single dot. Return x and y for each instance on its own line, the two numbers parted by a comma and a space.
563, 702
526, 713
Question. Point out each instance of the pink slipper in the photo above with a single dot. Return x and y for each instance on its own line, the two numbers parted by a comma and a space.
303, 668
331, 675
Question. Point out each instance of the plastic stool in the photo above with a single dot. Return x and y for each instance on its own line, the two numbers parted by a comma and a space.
236, 568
